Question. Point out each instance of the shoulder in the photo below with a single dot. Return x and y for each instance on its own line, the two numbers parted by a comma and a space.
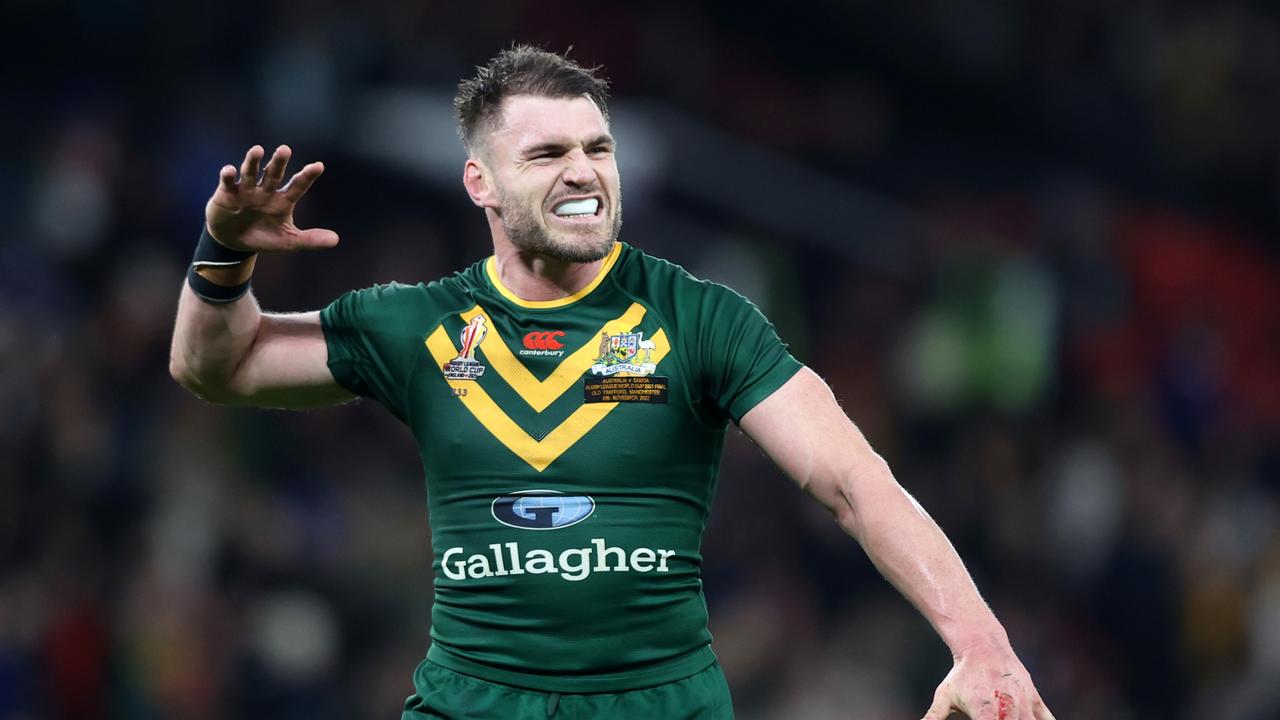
670, 285
659, 279
636, 264
395, 303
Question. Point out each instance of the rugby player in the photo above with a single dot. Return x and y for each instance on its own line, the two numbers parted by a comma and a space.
569, 396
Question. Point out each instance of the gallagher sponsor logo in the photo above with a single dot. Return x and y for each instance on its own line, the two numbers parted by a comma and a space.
573, 564
550, 510
543, 342
542, 509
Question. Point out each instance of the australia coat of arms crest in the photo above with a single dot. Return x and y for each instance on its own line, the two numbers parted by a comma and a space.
624, 353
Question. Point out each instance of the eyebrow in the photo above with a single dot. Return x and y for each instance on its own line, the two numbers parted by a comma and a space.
563, 145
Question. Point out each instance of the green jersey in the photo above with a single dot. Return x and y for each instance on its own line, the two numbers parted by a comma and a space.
571, 449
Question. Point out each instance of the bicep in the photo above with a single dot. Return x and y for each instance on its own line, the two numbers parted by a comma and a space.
288, 365
802, 428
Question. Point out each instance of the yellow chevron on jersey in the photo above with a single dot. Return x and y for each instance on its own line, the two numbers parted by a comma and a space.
541, 393
538, 453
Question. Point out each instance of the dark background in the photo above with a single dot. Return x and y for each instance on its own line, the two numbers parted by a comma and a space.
1032, 247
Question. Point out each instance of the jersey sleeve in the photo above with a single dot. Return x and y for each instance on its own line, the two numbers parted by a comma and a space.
370, 353
744, 360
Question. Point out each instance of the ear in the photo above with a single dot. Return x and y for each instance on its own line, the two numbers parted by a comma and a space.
476, 179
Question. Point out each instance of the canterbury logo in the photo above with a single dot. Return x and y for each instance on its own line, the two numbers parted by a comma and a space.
540, 340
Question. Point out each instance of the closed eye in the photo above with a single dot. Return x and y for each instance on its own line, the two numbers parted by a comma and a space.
545, 151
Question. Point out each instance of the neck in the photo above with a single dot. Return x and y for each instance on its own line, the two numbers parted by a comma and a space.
537, 277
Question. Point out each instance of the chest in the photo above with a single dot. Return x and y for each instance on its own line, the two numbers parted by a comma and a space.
560, 396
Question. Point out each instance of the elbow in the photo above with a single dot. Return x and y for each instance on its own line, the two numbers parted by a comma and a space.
181, 374
178, 371
201, 388
185, 375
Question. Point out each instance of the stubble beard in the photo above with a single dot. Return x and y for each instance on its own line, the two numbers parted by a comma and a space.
529, 236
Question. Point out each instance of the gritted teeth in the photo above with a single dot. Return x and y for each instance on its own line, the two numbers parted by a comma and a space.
586, 206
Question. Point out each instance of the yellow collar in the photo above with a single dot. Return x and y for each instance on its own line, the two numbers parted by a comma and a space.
491, 267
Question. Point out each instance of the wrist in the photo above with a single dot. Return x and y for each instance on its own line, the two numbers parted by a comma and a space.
219, 274
988, 639
228, 275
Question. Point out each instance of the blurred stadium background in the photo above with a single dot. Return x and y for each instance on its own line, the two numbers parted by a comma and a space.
1032, 246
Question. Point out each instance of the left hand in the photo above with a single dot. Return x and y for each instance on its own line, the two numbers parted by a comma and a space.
988, 683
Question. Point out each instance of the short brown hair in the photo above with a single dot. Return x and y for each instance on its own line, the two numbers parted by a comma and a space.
522, 70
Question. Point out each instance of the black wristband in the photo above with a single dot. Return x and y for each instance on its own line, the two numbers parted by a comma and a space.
212, 292
210, 252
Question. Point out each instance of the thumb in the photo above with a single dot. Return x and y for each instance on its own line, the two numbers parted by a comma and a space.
316, 239
940, 708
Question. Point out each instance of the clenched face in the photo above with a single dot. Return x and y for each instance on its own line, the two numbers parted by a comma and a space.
552, 166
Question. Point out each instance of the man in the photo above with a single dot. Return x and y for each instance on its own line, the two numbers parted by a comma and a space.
569, 396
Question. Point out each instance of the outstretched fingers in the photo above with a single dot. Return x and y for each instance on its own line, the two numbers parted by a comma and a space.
227, 178
301, 182
315, 239
249, 168
264, 210
274, 173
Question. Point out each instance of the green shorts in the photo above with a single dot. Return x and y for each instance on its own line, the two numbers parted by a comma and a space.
443, 693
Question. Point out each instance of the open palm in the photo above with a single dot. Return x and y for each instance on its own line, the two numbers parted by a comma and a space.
257, 216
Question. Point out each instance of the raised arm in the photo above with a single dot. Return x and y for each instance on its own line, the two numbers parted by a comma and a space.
232, 352
805, 432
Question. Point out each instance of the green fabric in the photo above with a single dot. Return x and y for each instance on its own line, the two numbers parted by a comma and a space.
443, 693
613, 601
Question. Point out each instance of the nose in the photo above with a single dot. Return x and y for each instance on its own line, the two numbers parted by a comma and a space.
578, 171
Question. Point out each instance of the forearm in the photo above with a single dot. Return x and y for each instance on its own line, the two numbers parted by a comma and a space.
913, 554
211, 341
804, 430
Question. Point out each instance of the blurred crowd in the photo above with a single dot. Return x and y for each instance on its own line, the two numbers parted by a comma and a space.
1073, 360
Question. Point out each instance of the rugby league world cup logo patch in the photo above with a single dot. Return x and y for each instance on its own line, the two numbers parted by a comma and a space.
465, 366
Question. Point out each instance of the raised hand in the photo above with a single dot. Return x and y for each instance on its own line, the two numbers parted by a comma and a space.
257, 216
